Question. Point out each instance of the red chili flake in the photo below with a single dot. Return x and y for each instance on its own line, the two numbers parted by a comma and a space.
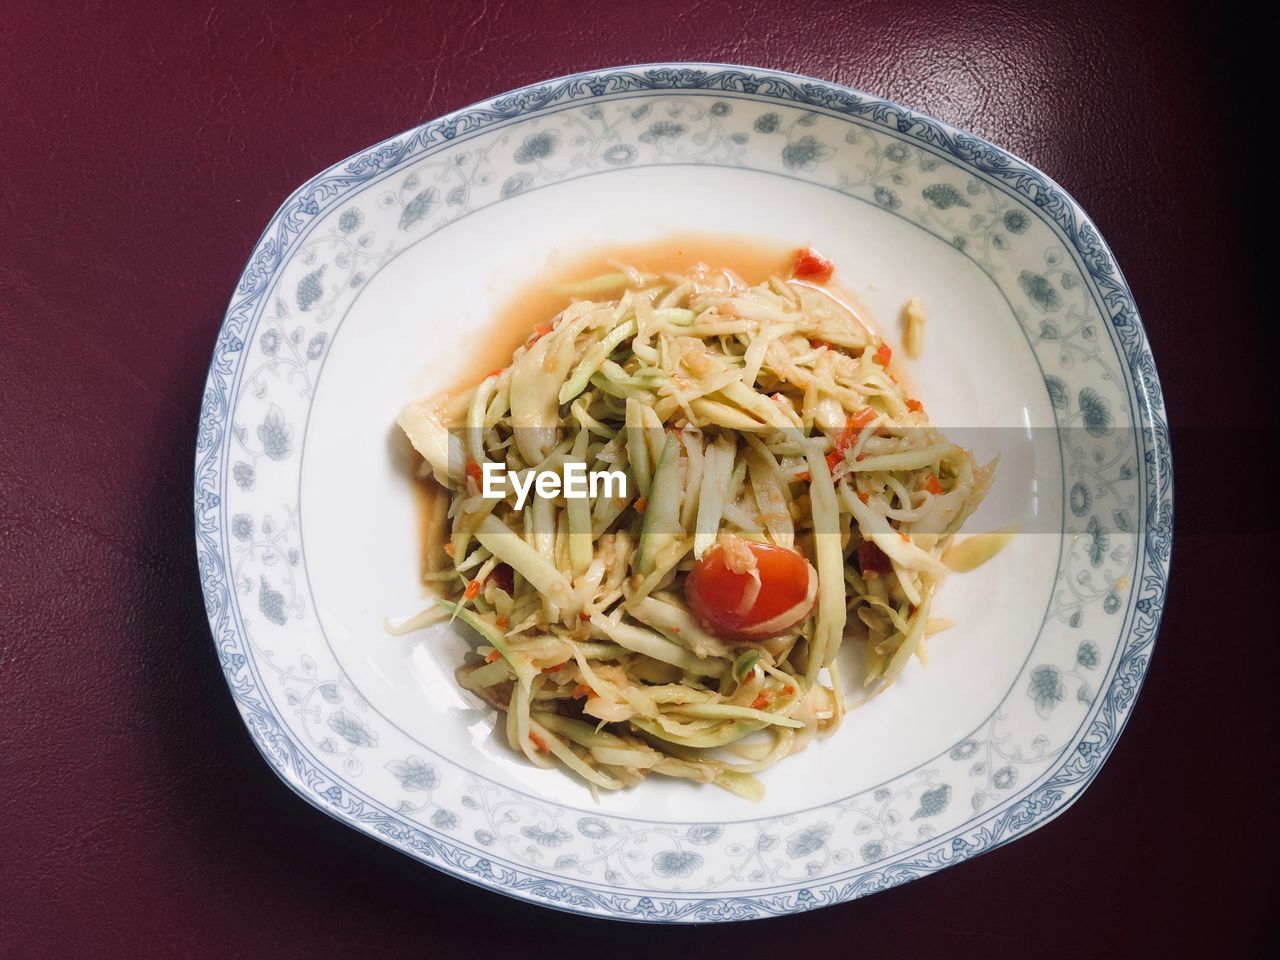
864, 496
473, 590
642, 504
503, 623
811, 265
764, 700
474, 471
932, 485
581, 691
491, 656
538, 742
915, 406
849, 436
860, 419
555, 666
883, 355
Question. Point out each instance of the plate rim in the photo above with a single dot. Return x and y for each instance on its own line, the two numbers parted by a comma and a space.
1149, 426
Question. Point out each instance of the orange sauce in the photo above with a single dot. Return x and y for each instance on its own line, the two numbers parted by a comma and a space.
751, 259
432, 502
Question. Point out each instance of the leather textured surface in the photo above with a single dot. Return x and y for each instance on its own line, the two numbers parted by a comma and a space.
143, 147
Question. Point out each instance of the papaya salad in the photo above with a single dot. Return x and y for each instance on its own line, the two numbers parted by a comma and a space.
784, 496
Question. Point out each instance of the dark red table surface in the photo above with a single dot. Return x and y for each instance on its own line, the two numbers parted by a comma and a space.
144, 146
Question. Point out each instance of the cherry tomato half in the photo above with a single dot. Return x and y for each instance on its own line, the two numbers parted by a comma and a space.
717, 595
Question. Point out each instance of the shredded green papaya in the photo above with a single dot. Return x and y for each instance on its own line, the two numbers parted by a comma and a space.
742, 419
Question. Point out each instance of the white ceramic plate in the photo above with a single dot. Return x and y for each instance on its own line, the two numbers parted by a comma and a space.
372, 284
